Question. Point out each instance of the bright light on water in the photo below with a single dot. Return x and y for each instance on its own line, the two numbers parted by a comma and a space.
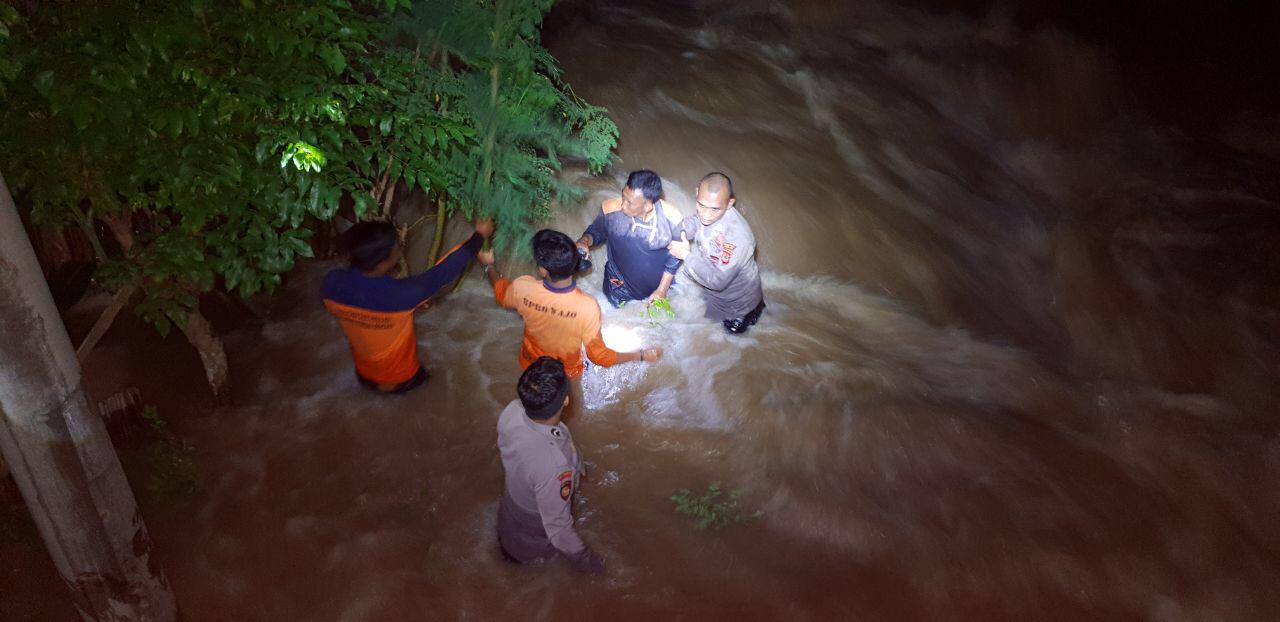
621, 338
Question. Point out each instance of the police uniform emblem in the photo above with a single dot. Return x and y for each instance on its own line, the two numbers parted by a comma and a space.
566, 484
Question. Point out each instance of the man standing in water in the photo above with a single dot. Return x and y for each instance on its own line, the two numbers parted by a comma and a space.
558, 318
535, 516
721, 251
376, 309
637, 227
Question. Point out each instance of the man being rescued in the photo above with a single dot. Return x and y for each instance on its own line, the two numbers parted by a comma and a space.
559, 319
376, 309
637, 227
535, 517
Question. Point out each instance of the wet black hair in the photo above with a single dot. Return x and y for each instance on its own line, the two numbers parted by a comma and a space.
369, 244
718, 178
647, 182
542, 388
555, 252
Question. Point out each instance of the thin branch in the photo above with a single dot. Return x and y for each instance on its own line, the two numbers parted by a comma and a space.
442, 214
86, 225
118, 302
419, 221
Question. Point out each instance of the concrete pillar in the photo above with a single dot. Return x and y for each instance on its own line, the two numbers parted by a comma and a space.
59, 453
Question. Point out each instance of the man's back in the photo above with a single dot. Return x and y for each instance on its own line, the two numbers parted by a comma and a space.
542, 469
376, 313
557, 323
531, 453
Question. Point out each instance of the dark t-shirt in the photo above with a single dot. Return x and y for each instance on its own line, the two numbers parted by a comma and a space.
637, 250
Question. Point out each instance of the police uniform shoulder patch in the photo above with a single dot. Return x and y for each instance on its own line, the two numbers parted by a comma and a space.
566, 484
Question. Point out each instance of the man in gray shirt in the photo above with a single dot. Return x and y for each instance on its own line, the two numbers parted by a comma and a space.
718, 250
535, 518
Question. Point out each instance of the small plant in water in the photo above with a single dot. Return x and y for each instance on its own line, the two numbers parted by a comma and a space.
714, 508
659, 311
172, 461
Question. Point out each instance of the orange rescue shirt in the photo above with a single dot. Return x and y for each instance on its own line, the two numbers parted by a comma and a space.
376, 313
556, 323
383, 344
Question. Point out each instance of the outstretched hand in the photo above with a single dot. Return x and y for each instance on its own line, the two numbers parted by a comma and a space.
484, 226
485, 258
680, 249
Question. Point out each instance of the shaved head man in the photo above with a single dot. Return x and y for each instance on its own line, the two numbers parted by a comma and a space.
718, 250
714, 197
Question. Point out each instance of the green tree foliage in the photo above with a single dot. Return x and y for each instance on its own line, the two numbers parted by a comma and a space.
164, 114
495, 77
216, 136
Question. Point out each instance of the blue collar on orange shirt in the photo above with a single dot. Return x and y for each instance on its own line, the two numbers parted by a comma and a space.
560, 290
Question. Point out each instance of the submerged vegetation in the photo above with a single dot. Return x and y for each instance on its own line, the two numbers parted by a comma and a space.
171, 461
659, 311
714, 508
654, 313
198, 146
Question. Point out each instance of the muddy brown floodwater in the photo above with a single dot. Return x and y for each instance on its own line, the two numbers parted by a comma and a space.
1019, 360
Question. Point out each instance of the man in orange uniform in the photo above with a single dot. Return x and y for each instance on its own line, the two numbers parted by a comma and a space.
376, 309
558, 318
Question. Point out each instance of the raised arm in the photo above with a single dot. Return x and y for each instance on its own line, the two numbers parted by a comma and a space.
446, 270
499, 284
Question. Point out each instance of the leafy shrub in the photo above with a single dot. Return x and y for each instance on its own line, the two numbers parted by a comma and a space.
174, 476
713, 509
